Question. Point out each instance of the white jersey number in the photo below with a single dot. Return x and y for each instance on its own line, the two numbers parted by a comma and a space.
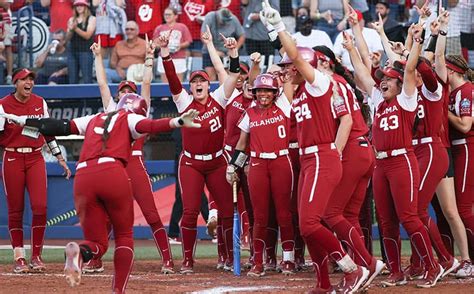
421, 111
281, 132
215, 124
389, 123
302, 112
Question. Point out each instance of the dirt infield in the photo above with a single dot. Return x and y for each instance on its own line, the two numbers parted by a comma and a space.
146, 279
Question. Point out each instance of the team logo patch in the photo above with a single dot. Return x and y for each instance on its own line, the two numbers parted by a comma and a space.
193, 10
465, 107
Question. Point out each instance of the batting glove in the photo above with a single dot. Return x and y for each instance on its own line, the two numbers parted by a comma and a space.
187, 119
272, 16
231, 174
19, 120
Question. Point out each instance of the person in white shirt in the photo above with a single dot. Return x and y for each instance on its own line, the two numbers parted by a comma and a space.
370, 35
306, 36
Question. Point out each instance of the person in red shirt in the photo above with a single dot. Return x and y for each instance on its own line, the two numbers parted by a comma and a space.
60, 11
102, 190
265, 127
148, 15
322, 128
24, 167
202, 161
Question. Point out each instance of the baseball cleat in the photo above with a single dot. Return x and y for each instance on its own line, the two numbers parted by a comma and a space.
431, 277
395, 279
287, 268
270, 264
257, 271
36, 264
229, 266
465, 270
168, 267
187, 267
449, 266
374, 270
414, 272
93, 266
73, 264
354, 280
20, 266
212, 223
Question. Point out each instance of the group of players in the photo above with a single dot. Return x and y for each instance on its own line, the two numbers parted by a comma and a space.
296, 139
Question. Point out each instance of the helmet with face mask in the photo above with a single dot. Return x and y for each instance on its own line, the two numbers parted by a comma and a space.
306, 53
135, 103
265, 81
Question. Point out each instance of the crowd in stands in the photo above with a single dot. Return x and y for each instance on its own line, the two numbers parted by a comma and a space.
123, 25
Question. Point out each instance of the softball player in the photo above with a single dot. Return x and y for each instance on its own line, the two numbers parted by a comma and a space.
462, 140
102, 190
141, 186
396, 177
201, 161
265, 128
23, 167
321, 167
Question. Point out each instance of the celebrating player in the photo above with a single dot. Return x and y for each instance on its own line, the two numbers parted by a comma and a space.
141, 185
265, 128
24, 167
201, 161
102, 190
318, 138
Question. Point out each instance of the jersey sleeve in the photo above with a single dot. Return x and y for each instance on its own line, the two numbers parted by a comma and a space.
234, 95
432, 96
183, 101
2, 119
219, 95
283, 103
112, 106
45, 109
346, 95
408, 103
81, 123
375, 98
339, 106
132, 120
244, 123
320, 85
465, 103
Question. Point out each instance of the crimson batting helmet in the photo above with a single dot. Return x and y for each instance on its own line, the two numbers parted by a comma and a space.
305, 52
135, 103
265, 81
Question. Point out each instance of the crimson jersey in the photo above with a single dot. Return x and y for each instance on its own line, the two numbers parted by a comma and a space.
268, 128
316, 111
14, 135
209, 138
233, 113
359, 127
121, 135
148, 15
293, 128
460, 103
429, 113
394, 120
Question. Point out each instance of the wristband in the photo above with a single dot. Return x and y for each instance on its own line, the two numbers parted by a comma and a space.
54, 147
177, 122
432, 44
443, 33
234, 66
239, 158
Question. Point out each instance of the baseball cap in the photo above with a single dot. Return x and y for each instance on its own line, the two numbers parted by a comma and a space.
389, 72
225, 14
23, 73
383, 2
130, 84
244, 67
81, 2
359, 14
199, 73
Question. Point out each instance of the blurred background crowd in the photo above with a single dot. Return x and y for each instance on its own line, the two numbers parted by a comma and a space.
123, 25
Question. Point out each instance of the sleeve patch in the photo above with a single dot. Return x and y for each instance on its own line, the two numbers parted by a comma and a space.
465, 107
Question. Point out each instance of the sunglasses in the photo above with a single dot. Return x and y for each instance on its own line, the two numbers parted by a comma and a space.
130, 29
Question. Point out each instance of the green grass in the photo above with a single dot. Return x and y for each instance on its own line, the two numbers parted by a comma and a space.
203, 250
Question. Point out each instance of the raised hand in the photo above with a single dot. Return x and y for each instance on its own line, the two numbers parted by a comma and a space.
417, 32
95, 47
352, 17
378, 25
397, 47
256, 57
163, 40
188, 119
443, 17
348, 41
206, 37
424, 12
375, 57
229, 43
150, 46
271, 15
434, 27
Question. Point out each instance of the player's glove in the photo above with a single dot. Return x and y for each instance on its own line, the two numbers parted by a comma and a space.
20, 120
187, 119
272, 16
231, 174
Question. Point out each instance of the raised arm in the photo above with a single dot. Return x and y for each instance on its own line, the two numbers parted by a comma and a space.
255, 59
206, 38
148, 71
360, 69
175, 84
378, 26
234, 67
104, 89
409, 80
440, 61
360, 42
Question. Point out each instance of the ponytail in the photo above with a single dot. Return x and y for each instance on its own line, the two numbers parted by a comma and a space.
470, 75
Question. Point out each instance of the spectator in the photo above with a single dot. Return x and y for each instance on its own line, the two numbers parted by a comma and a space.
2, 49
392, 28
330, 16
306, 36
287, 16
225, 23
110, 23
180, 39
296, 4
192, 17
363, 7
467, 32
52, 63
256, 35
7, 21
453, 39
148, 15
81, 27
234, 6
60, 11
371, 37
125, 53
